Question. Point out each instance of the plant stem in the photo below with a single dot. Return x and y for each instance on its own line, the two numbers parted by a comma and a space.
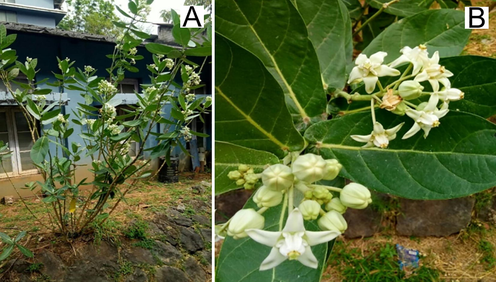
330, 188
384, 6
372, 110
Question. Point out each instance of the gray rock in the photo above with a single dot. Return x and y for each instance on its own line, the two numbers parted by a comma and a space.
194, 271
203, 220
53, 266
138, 276
362, 223
138, 255
191, 241
20, 265
207, 255
169, 274
167, 253
179, 219
181, 208
433, 218
207, 235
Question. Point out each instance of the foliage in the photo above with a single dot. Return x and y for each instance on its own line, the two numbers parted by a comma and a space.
106, 135
13, 243
167, 14
300, 104
91, 16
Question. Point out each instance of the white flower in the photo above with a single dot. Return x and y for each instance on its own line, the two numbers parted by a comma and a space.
355, 196
435, 74
292, 243
333, 220
242, 221
61, 118
169, 63
277, 177
446, 95
425, 119
379, 137
309, 168
369, 70
418, 56
266, 197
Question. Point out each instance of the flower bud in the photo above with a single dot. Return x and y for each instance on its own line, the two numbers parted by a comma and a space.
309, 168
335, 205
250, 171
249, 186
321, 193
234, 175
278, 177
303, 188
240, 182
243, 168
242, 220
266, 197
333, 221
410, 89
251, 179
309, 209
400, 109
332, 169
355, 196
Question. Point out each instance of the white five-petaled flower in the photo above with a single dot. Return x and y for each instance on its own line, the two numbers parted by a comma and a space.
425, 119
446, 95
379, 136
418, 56
370, 69
292, 243
435, 73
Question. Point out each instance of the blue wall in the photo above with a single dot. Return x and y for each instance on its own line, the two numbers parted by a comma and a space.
38, 3
35, 20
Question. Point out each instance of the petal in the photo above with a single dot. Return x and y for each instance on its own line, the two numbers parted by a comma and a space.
360, 59
384, 70
435, 84
378, 128
414, 114
268, 238
426, 129
447, 73
415, 128
445, 81
433, 101
318, 237
294, 223
395, 129
273, 259
402, 59
423, 76
416, 67
378, 57
354, 75
308, 259
435, 58
406, 50
381, 141
361, 138
370, 82
441, 113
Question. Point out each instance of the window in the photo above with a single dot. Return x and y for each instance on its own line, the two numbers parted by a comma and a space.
14, 130
8, 16
128, 85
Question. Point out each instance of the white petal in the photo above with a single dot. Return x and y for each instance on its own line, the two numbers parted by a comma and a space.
445, 81
415, 115
294, 223
360, 59
406, 50
433, 101
423, 76
402, 59
274, 259
426, 129
370, 82
435, 58
381, 141
354, 75
394, 130
318, 237
378, 57
417, 65
268, 238
361, 138
441, 113
308, 258
447, 73
387, 71
378, 128
415, 128
435, 84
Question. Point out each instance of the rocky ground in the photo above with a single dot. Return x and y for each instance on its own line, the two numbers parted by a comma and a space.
162, 233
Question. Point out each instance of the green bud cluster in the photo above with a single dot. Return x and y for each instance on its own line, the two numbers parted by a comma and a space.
244, 176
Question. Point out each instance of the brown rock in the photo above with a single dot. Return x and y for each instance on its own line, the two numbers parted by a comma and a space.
362, 223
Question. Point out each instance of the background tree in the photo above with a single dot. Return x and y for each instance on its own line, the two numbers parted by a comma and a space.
91, 16
167, 16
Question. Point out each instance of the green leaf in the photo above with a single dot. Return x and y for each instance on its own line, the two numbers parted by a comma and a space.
132, 7
475, 77
122, 12
39, 150
182, 36
354, 8
199, 52
229, 156
441, 30
25, 251
275, 32
20, 236
33, 109
132, 123
403, 8
329, 29
6, 238
239, 260
457, 159
251, 103
156, 48
50, 117
6, 252
140, 34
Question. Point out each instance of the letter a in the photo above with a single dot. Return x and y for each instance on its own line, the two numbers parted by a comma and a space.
195, 17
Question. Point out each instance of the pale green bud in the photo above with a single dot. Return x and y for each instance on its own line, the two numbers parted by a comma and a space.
250, 171
251, 179
335, 205
266, 197
309, 168
243, 168
248, 186
309, 209
303, 188
234, 175
240, 182
309, 194
320, 193
410, 89
278, 177
332, 169
400, 109
334, 221
355, 196
242, 220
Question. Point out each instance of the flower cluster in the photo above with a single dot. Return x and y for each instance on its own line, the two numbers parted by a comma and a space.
185, 133
399, 96
108, 112
106, 88
244, 176
169, 63
293, 242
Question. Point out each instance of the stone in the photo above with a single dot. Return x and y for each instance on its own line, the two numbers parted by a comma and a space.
191, 241
138, 276
20, 265
207, 256
229, 203
179, 219
167, 253
7, 200
435, 217
138, 255
181, 208
168, 274
207, 235
53, 266
362, 223
203, 220
194, 271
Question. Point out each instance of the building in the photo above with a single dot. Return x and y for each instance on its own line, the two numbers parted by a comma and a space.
34, 23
